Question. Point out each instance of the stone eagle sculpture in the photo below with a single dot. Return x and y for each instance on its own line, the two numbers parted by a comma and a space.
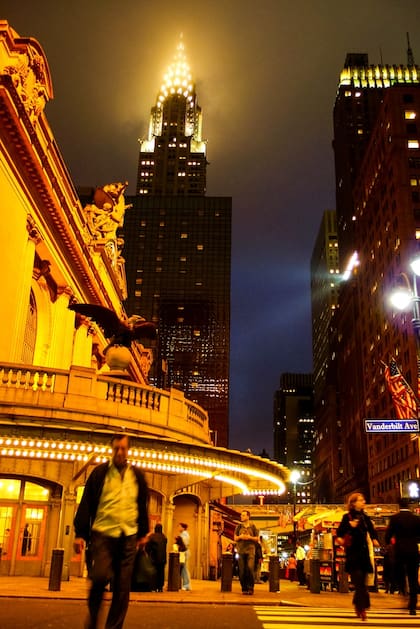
116, 330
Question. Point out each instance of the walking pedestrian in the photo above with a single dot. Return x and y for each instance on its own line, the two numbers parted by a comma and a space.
185, 572
352, 533
300, 561
404, 530
112, 517
291, 567
180, 548
246, 536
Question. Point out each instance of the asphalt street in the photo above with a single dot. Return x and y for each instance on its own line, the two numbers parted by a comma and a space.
69, 614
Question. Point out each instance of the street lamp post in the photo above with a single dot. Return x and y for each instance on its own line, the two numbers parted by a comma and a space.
415, 267
294, 477
408, 295
404, 297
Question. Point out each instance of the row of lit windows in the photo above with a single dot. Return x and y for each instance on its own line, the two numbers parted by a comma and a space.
402, 76
393, 482
413, 163
10, 490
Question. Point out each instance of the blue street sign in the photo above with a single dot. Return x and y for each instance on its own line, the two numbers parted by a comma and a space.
392, 425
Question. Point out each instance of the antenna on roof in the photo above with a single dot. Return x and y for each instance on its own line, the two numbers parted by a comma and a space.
410, 56
380, 56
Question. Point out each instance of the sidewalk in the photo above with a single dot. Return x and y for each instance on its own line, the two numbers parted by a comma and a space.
203, 592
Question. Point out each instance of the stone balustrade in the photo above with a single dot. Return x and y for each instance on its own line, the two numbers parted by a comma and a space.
82, 397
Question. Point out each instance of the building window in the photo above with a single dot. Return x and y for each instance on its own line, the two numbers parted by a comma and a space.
29, 337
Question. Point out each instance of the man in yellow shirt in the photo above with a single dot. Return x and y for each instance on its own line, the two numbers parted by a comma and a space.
112, 518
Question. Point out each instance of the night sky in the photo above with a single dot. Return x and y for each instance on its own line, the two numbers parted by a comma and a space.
266, 73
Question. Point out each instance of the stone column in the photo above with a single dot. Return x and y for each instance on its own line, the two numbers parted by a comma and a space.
62, 331
168, 523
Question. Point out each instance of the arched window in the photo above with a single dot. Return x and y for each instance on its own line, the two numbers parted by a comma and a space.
29, 337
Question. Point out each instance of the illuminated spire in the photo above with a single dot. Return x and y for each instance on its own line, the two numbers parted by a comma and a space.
410, 56
177, 79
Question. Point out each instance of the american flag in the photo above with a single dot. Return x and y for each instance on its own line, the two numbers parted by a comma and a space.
418, 378
403, 397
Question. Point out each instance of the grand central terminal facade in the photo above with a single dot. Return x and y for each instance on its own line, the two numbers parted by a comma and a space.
63, 393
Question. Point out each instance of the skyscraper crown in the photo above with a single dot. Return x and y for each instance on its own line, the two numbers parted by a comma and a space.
177, 79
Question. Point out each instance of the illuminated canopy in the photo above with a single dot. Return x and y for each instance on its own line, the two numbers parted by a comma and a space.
249, 474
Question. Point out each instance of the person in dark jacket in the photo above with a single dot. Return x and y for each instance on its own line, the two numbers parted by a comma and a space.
112, 518
246, 536
352, 533
156, 549
404, 530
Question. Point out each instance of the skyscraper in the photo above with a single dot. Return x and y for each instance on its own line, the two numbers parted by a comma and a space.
325, 275
294, 427
178, 250
325, 279
377, 159
173, 155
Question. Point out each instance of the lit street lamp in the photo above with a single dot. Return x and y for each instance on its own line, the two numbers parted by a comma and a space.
405, 296
294, 477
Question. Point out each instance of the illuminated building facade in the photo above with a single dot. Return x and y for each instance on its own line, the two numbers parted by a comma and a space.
377, 157
178, 252
294, 428
325, 278
61, 395
173, 156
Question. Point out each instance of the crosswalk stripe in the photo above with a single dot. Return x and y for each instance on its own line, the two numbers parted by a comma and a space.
306, 617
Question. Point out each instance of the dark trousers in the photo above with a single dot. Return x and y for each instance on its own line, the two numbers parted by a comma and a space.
300, 569
246, 563
160, 575
112, 559
361, 598
407, 565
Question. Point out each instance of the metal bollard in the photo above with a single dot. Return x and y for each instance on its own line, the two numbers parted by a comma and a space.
174, 575
315, 579
274, 574
343, 579
56, 569
227, 573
